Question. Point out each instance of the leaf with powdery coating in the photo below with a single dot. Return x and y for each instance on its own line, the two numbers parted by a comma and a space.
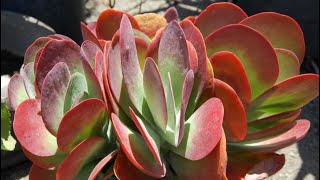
171, 14
87, 34
288, 64
16, 91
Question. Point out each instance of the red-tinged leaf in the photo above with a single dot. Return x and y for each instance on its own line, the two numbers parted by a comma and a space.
38, 173
281, 30
36, 60
27, 73
186, 92
88, 34
139, 34
212, 166
53, 92
99, 72
287, 95
150, 23
81, 122
88, 52
54, 52
124, 169
46, 162
288, 64
33, 49
190, 18
59, 37
78, 99
141, 46
193, 57
98, 168
81, 155
202, 131
264, 145
16, 91
153, 47
171, 14
149, 135
234, 120
271, 121
260, 62
228, 68
92, 26
252, 166
155, 94
173, 57
109, 22
218, 15
136, 150
31, 131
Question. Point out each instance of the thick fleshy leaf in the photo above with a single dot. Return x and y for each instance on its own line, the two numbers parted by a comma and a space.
190, 18
54, 52
234, 120
173, 57
16, 91
38, 173
81, 155
81, 122
150, 23
31, 131
59, 37
141, 46
124, 169
53, 92
260, 62
202, 131
31, 52
288, 95
281, 30
139, 34
218, 15
252, 166
99, 72
87, 34
228, 68
271, 121
109, 22
98, 168
288, 64
171, 14
153, 47
88, 52
77, 85
264, 145
155, 94
27, 73
149, 135
132, 75
136, 150
193, 57
213, 166
78, 99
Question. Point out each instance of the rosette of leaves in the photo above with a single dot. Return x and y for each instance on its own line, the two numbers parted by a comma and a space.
256, 62
61, 114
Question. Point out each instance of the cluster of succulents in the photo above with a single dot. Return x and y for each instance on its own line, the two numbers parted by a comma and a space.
149, 96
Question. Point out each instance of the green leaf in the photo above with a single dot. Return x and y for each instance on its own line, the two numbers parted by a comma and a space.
5, 121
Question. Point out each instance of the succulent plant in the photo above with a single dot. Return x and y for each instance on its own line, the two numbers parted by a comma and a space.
147, 96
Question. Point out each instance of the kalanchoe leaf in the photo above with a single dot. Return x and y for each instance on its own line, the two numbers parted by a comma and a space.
288, 95
81, 122
136, 149
33, 49
171, 14
99, 73
88, 52
281, 30
27, 73
31, 131
190, 18
16, 91
141, 46
218, 15
53, 92
109, 22
149, 23
228, 68
38, 173
124, 169
193, 57
78, 99
288, 64
98, 168
202, 131
173, 57
59, 37
234, 120
254, 51
155, 94
87, 34
264, 145
81, 155
139, 34
213, 166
